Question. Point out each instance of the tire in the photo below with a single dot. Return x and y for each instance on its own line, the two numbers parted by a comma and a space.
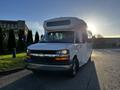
74, 68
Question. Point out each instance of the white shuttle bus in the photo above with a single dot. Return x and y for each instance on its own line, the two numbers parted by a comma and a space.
66, 46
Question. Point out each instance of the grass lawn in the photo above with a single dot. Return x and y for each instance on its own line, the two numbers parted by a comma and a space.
8, 63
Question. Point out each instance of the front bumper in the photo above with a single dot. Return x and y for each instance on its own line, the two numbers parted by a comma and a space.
33, 66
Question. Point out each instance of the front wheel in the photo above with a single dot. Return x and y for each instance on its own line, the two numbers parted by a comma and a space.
74, 68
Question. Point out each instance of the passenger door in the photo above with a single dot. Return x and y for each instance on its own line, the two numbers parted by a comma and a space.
84, 48
80, 49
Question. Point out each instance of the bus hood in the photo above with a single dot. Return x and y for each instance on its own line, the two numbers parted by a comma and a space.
49, 46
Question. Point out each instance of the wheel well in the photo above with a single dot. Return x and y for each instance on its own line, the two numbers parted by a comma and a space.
75, 57
76, 60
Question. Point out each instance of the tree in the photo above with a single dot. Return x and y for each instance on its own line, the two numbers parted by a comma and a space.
1, 40
36, 37
21, 40
99, 36
29, 38
11, 40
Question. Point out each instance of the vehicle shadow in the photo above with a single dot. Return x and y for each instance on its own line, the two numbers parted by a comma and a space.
86, 79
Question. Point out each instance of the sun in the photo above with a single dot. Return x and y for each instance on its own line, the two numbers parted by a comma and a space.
92, 27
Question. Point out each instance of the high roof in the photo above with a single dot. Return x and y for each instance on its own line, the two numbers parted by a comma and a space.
64, 23
65, 18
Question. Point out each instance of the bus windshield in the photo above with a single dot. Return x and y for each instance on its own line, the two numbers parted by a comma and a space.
59, 37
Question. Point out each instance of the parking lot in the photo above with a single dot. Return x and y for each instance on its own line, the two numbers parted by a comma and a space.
102, 73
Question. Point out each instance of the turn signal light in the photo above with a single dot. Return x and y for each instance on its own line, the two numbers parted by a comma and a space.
64, 58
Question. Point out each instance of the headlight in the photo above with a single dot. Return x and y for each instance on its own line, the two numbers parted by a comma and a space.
63, 51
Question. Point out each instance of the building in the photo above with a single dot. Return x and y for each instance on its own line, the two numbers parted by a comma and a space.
15, 25
106, 42
7, 25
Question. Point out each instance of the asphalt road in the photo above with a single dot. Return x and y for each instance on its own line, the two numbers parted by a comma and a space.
102, 73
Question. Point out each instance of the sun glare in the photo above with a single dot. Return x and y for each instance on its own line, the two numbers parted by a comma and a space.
92, 28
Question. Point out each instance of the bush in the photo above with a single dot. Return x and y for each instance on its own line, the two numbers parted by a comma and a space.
1, 40
29, 38
21, 41
36, 37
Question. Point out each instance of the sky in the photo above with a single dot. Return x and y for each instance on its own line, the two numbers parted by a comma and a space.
102, 16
